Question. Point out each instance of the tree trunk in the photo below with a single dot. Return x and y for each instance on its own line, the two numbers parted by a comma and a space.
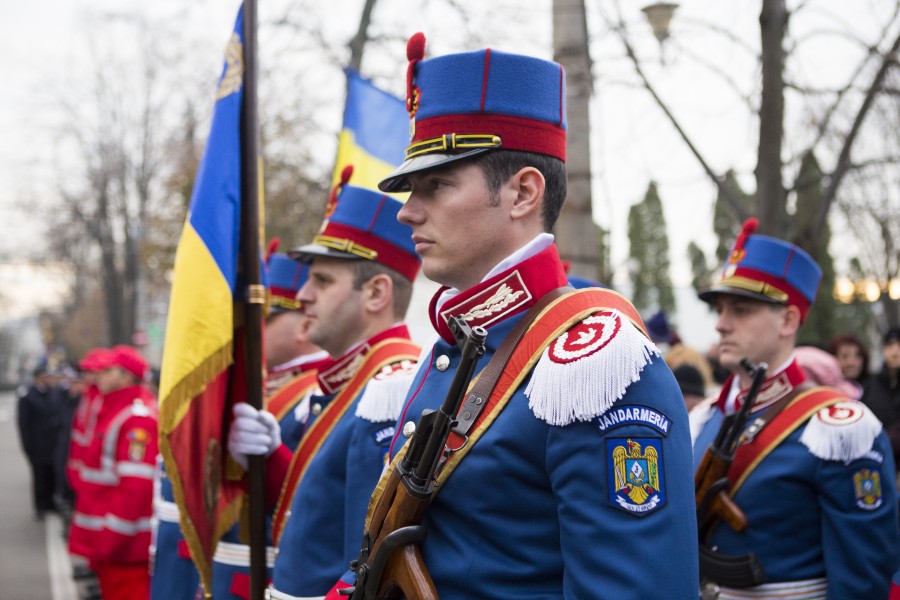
576, 233
112, 280
358, 43
771, 196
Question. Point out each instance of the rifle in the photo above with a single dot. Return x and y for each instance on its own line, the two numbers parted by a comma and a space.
713, 502
390, 561
711, 479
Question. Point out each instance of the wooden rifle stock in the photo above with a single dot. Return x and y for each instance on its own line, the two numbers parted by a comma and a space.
711, 479
390, 562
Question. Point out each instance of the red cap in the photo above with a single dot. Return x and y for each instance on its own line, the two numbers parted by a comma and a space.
95, 359
128, 358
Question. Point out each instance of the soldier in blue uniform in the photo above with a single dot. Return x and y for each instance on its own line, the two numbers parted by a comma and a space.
361, 268
815, 479
173, 575
292, 364
578, 482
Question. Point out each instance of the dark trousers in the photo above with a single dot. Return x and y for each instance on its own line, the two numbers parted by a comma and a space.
43, 486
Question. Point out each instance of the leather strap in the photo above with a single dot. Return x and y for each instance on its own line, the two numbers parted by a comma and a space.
768, 416
802, 404
476, 400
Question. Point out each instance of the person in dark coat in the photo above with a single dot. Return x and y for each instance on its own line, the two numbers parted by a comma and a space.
881, 392
39, 424
69, 396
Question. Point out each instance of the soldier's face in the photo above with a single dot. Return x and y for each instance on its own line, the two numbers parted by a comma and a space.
458, 227
748, 329
334, 308
285, 332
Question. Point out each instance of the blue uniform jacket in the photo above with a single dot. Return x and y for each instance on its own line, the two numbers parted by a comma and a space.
807, 519
173, 576
532, 512
324, 530
230, 572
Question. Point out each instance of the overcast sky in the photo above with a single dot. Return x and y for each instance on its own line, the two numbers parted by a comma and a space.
42, 42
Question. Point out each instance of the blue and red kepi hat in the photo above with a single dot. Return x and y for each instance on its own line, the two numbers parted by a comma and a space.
768, 269
362, 224
285, 278
461, 105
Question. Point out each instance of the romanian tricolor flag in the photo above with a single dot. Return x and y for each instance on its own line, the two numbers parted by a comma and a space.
375, 133
199, 366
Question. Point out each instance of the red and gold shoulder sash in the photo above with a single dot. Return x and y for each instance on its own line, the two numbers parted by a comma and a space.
287, 396
557, 318
381, 355
554, 320
805, 405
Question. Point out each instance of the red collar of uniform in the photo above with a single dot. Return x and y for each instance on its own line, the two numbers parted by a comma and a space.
335, 374
773, 389
507, 293
280, 374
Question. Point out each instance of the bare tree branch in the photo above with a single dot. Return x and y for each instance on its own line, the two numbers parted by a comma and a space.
358, 43
843, 162
618, 25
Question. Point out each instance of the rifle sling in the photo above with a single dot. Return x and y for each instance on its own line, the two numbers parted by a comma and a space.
747, 437
476, 399
759, 423
795, 409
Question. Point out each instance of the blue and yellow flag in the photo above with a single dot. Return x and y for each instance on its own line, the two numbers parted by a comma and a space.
375, 133
199, 365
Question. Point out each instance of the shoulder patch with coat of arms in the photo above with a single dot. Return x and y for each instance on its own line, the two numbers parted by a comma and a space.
636, 475
844, 431
582, 373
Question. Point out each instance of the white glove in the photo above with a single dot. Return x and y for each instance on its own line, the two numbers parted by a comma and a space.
252, 432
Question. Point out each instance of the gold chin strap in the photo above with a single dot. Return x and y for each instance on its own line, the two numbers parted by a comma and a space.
453, 141
758, 287
348, 246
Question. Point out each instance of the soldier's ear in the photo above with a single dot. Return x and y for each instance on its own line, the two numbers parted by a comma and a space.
527, 187
378, 293
790, 320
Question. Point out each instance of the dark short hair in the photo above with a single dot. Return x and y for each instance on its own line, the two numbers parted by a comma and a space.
498, 166
364, 270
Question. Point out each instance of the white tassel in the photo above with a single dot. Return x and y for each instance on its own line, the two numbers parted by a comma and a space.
844, 432
383, 399
583, 382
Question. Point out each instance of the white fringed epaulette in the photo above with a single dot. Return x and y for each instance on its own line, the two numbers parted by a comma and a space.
384, 396
582, 373
844, 431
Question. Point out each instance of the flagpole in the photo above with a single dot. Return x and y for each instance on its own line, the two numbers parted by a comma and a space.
253, 311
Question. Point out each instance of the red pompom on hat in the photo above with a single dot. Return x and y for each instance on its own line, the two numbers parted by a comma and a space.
272, 248
415, 52
346, 174
747, 229
128, 358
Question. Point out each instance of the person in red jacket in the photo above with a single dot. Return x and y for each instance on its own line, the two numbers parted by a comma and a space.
111, 522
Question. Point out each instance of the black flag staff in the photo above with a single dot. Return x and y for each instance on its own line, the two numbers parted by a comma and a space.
256, 296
